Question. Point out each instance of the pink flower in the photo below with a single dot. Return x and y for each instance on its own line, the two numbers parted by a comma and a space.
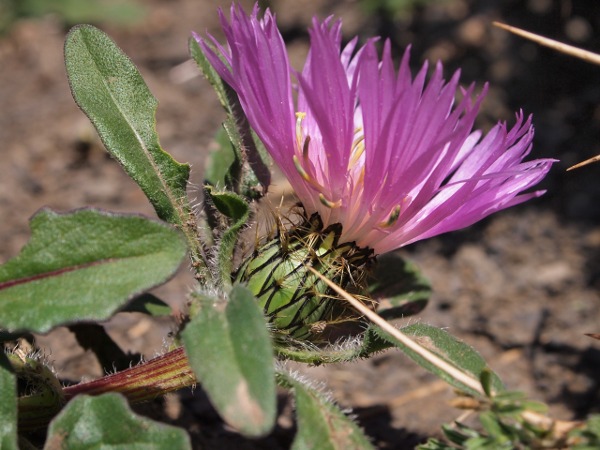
390, 157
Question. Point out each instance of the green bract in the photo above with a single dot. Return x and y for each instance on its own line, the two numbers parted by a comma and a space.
297, 302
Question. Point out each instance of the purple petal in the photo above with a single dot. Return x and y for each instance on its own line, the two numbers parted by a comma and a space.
392, 158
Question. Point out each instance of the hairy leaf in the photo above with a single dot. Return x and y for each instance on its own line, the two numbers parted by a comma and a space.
107, 422
229, 349
321, 424
365, 345
251, 176
8, 405
222, 166
111, 92
84, 265
460, 355
237, 210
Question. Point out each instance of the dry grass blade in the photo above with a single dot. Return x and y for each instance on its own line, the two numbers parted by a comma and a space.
393, 331
585, 55
585, 163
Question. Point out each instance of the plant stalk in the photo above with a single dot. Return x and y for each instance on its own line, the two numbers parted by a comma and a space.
144, 382
166, 373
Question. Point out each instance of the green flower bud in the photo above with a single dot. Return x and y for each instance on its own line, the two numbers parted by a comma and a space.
298, 303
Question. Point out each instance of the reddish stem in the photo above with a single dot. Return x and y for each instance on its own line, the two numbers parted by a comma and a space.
143, 382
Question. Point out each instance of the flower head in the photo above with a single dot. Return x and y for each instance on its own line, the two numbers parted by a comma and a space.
391, 158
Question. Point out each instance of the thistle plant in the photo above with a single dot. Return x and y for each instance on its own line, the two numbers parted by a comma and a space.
378, 159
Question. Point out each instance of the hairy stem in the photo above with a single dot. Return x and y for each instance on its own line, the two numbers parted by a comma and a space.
141, 383
144, 382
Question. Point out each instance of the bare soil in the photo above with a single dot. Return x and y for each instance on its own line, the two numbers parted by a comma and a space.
522, 287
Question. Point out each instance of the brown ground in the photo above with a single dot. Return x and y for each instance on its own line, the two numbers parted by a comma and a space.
521, 287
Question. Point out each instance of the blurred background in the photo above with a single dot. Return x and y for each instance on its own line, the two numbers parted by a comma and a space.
521, 287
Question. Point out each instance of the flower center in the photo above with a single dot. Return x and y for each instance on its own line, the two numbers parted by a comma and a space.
306, 169
355, 217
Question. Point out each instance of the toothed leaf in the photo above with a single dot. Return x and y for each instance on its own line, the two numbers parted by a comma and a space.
111, 92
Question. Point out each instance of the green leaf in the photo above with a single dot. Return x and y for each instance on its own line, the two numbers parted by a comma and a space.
316, 355
107, 422
588, 436
399, 287
462, 356
253, 159
111, 92
229, 349
255, 176
8, 405
211, 74
220, 163
509, 409
486, 379
493, 426
223, 171
229, 204
509, 396
321, 424
235, 208
535, 406
593, 424
84, 265
458, 434
434, 444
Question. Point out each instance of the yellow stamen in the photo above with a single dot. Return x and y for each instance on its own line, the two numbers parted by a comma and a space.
329, 203
358, 148
305, 176
361, 177
393, 218
299, 117
304, 144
